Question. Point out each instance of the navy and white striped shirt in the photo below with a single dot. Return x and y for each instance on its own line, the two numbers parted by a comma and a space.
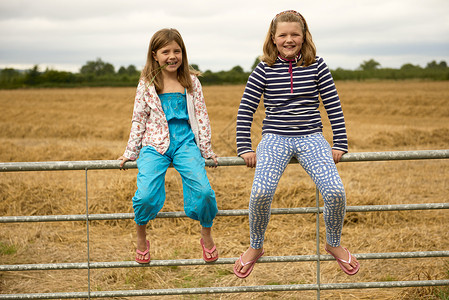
291, 102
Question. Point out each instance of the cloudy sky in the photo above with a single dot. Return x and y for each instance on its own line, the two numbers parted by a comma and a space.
65, 34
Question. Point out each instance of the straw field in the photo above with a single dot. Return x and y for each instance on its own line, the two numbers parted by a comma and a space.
94, 123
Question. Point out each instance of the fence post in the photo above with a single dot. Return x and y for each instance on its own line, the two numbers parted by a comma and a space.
87, 239
318, 271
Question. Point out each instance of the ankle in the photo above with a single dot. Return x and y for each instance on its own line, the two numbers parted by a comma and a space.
206, 233
253, 251
329, 247
141, 243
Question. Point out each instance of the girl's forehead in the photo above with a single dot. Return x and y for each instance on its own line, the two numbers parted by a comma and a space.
173, 44
288, 26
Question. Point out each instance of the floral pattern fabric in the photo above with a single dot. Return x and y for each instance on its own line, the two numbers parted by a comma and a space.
150, 127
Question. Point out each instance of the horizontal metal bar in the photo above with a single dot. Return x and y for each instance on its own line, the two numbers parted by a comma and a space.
227, 213
395, 155
222, 161
221, 261
235, 289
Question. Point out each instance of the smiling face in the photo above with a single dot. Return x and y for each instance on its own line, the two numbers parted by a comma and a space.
288, 39
170, 54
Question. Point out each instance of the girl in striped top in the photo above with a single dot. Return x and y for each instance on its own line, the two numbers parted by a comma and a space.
291, 78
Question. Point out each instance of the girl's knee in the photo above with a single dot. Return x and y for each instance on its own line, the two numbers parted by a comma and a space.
262, 192
335, 199
206, 194
335, 191
338, 193
202, 207
146, 198
146, 205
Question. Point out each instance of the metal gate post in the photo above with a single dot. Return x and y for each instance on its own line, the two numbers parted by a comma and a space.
87, 239
318, 277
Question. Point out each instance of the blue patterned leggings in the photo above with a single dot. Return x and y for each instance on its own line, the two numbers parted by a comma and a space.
315, 156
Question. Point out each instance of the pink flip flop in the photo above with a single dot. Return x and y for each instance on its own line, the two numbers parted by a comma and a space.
340, 261
251, 263
210, 251
143, 253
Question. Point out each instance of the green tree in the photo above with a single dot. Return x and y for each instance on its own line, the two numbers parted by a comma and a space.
32, 76
131, 70
9, 73
369, 65
53, 76
434, 65
98, 68
122, 71
237, 69
10, 78
410, 67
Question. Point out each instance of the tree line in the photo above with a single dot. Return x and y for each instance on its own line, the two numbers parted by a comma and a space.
100, 73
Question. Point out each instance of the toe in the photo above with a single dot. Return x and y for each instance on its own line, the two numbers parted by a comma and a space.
212, 255
237, 266
354, 261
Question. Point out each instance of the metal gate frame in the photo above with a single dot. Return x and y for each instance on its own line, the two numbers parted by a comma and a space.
223, 161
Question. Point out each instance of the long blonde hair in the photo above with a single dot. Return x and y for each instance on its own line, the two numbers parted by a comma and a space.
308, 49
152, 72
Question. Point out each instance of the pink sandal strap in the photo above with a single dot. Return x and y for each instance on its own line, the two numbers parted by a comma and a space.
144, 252
210, 251
242, 263
251, 261
340, 259
344, 261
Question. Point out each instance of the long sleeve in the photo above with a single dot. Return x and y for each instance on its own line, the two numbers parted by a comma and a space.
332, 105
248, 106
140, 116
202, 117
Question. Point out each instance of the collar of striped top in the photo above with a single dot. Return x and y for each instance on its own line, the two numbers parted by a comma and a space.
290, 67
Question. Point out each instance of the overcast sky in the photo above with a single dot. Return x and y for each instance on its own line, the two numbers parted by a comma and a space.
219, 35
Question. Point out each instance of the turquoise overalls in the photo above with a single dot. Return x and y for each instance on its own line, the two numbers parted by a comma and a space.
184, 154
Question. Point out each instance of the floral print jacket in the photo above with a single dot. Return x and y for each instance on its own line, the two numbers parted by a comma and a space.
150, 127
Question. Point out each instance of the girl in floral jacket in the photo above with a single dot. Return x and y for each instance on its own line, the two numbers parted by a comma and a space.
170, 125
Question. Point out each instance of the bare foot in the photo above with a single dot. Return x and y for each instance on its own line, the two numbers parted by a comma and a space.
341, 253
142, 249
249, 255
208, 242
142, 243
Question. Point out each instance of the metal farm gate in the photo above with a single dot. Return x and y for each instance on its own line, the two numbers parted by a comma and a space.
224, 161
